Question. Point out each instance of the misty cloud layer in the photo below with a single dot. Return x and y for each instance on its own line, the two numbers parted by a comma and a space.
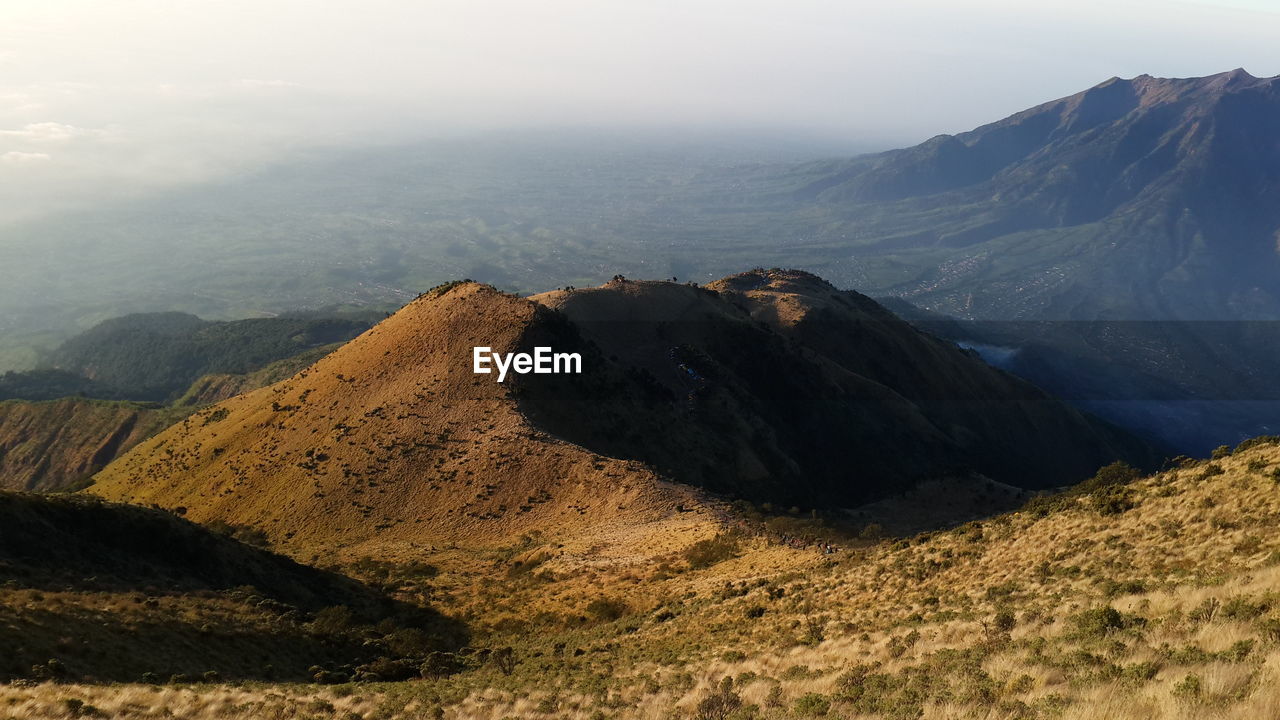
99, 100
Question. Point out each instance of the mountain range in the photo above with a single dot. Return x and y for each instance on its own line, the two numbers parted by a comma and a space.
1139, 199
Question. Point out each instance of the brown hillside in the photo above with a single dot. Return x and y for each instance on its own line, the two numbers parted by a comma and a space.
54, 445
391, 445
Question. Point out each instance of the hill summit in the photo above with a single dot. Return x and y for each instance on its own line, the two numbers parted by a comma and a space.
771, 385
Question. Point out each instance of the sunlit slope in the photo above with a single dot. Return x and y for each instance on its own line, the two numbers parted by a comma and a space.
392, 443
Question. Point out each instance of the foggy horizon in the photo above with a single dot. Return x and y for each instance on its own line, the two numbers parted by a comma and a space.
111, 100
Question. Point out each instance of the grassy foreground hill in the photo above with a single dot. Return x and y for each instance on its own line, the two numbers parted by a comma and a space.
1153, 598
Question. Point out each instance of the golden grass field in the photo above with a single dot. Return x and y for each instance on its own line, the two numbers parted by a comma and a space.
1161, 606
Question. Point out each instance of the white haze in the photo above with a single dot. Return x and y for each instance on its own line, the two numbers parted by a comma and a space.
106, 99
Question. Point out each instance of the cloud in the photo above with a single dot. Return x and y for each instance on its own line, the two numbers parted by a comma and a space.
19, 103
257, 83
15, 157
48, 132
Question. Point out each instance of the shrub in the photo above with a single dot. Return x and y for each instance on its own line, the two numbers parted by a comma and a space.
1098, 622
1113, 500
78, 708
1004, 621
1211, 470
440, 664
1205, 611
606, 609
705, 553
409, 642
328, 677
1188, 688
333, 620
387, 669
1022, 684
1259, 441
1140, 672
1117, 473
814, 631
1242, 608
774, 698
811, 704
504, 658
53, 669
1114, 588
719, 704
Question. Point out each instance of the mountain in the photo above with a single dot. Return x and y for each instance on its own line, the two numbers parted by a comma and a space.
795, 392
1139, 199
392, 443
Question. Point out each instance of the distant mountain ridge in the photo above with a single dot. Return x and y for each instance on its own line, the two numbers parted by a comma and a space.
156, 356
1147, 198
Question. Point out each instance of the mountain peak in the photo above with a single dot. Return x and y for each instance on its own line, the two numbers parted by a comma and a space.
1190, 166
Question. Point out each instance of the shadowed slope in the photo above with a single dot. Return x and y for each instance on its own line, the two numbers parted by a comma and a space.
112, 591
775, 386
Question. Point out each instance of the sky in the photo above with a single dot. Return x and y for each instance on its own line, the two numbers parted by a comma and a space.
99, 99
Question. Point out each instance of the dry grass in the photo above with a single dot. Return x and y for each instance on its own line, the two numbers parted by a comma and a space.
991, 620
